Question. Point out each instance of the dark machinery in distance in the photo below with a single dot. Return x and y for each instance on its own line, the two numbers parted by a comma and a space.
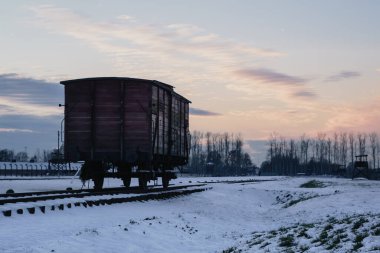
125, 128
361, 167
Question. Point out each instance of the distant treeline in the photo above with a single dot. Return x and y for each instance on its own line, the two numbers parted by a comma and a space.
323, 154
217, 154
7, 155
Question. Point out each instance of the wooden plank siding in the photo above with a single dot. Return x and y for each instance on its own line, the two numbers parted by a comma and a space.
137, 118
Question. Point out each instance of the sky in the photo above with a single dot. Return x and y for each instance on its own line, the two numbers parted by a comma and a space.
249, 67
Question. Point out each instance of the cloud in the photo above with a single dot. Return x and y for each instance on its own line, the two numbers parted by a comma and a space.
287, 87
270, 76
168, 52
188, 56
30, 122
28, 96
342, 76
14, 130
354, 117
304, 94
126, 18
19, 131
120, 38
29, 112
30, 90
201, 112
284, 116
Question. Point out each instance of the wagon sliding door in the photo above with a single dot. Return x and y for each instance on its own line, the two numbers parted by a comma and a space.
161, 113
180, 124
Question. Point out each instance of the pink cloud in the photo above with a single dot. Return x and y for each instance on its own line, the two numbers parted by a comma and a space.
365, 117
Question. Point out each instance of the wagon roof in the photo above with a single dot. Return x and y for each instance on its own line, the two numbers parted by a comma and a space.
158, 83
115, 78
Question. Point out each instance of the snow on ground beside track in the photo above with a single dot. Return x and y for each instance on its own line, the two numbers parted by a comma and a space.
272, 216
48, 184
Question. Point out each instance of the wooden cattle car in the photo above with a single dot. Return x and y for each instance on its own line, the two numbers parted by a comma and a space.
124, 128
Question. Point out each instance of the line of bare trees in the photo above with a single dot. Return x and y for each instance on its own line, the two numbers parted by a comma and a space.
218, 155
322, 154
7, 155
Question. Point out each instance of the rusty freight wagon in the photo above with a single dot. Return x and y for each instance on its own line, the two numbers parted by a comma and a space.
125, 128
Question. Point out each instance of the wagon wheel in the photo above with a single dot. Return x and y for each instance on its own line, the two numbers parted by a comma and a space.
127, 181
98, 182
143, 183
165, 182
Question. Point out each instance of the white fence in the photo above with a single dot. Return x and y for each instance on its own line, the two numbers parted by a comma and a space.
38, 169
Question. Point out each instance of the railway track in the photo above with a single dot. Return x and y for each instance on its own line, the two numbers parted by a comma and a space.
232, 181
53, 195
67, 193
134, 189
54, 202
32, 202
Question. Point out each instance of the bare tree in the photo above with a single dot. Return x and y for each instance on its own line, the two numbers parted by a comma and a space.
282, 154
362, 138
351, 140
292, 155
221, 147
305, 141
328, 149
373, 145
6, 155
227, 144
314, 147
21, 156
38, 155
272, 152
214, 141
239, 149
336, 149
196, 151
378, 152
208, 145
343, 148
320, 154
321, 145
247, 162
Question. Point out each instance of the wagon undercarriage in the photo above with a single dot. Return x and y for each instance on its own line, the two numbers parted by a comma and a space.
97, 171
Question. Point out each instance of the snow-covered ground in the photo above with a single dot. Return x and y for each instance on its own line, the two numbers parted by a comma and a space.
272, 216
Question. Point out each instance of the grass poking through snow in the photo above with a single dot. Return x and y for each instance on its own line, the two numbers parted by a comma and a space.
287, 241
332, 235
